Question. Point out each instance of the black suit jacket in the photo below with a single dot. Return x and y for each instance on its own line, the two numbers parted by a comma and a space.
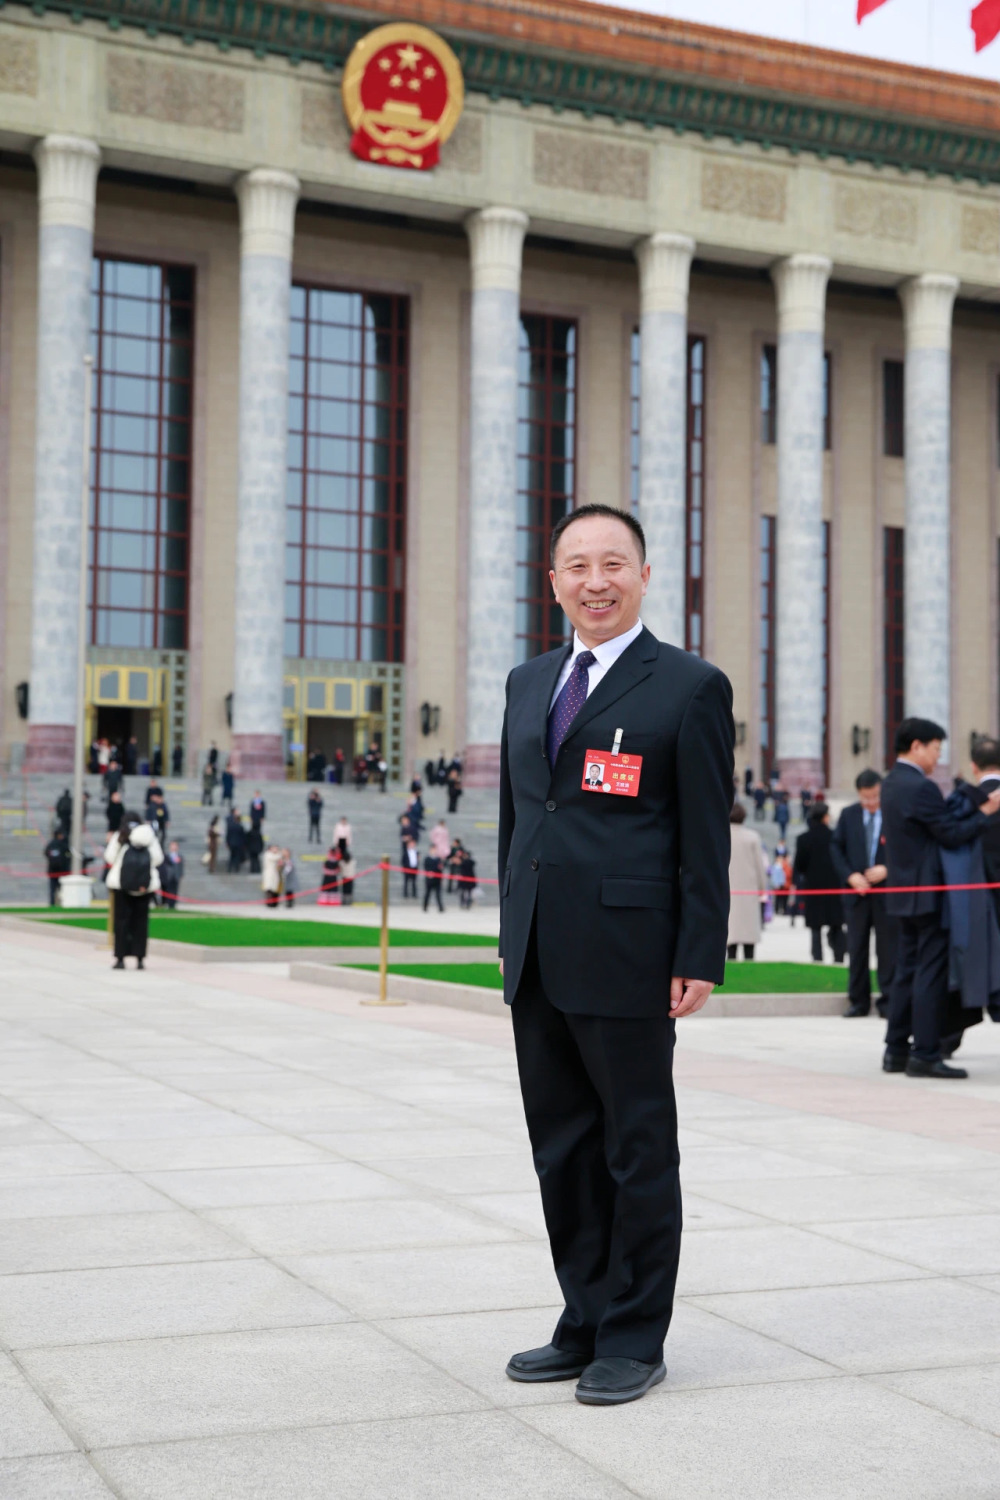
991, 846
916, 822
850, 848
626, 891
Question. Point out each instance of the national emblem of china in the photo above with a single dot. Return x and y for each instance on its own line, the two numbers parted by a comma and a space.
403, 94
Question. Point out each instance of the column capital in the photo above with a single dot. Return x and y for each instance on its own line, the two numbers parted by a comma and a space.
800, 284
67, 180
664, 271
496, 238
928, 301
267, 199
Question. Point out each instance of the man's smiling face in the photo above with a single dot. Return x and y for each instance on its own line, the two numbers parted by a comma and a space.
599, 578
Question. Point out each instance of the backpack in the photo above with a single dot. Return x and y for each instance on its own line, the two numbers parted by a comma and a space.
136, 871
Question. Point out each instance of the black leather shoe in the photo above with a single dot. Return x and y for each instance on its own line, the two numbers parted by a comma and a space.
119, 963
548, 1363
857, 1010
882, 1006
894, 1062
917, 1069
613, 1380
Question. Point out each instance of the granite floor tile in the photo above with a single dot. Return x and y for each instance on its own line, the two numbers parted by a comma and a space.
773, 1257
486, 1455
137, 1302
504, 1172
85, 1193
816, 1200
952, 1245
370, 1224
57, 1477
159, 1390
26, 1424
76, 1242
265, 1150
969, 1392
370, 1145
239, 1187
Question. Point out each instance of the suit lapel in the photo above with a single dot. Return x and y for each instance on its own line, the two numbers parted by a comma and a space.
634, 664
547, 679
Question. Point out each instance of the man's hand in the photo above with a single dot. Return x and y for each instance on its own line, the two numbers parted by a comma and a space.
501, 966
992, 803
858, 883
876, 874
688, 995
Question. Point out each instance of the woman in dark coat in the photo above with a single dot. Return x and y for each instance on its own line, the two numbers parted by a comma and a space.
814, 870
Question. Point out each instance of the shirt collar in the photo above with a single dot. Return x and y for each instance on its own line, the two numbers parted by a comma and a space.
904, 760
608, 652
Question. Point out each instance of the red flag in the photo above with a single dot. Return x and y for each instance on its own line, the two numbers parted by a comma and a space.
865, 8
986, 23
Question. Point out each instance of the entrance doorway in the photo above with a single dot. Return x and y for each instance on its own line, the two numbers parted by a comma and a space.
118, 725
330, 735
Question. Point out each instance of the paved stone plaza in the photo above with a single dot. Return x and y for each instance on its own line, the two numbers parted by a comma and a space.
257, 1240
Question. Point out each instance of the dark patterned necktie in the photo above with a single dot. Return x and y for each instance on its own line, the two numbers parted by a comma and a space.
569, 703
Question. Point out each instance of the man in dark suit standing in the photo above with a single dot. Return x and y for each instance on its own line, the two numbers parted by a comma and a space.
986, 773
614, 916
917, 823
859, 854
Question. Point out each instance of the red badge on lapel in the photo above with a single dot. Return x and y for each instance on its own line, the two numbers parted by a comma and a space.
616, 774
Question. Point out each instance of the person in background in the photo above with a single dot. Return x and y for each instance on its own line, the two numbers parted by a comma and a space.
158, 812
236, 840
177, 759
747, 873
383, 773
453, 783
780, 878
348, 872
270, 880
289, 879
255, 847
57, 854
133, 857
342, 832
433, 870
131, 754
859, 854
338, 766
212, 838
986, 774
258, 808
64, 812
314, 806
806, 799
453, 864
114, 781
207, 785
759, 803
917, 826
467, 885
116, 811
411, 864
814, 869
157, 764
782, 811
748, 781
171, 875
329, 895
228, 785
440, 841
213, 757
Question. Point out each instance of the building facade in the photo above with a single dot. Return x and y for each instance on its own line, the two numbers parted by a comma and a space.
749, 290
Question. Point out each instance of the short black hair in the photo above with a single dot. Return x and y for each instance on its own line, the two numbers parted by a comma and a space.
919, 731
817, 813
865, 780
985, 753
737, 813
583, 512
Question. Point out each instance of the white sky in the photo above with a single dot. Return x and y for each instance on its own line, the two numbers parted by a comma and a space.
928, 33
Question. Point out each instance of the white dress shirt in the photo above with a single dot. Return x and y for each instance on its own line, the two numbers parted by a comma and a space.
606, 654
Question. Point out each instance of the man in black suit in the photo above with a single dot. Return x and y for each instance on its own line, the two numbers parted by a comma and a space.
614, 917
917, 823
986, 773
859, 854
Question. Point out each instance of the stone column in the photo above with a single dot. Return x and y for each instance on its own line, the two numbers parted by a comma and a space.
927, 308
664, 275
267, 202
67, 186
800, 283
496, 237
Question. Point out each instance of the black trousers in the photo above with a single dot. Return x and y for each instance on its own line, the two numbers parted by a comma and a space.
919, 989
432, 887
862, 917
748, 950
836, 939
409, 883
131, 925
314, 829
599, 1103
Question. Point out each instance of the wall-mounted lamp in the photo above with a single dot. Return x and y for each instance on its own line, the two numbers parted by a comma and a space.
741, 733
430, 718
21, 694
229, 710
974, 738
860, 740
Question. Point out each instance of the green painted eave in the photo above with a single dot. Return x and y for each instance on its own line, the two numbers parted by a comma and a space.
534, 76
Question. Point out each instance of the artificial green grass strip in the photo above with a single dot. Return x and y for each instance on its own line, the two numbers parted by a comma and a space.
211, 931
741, 978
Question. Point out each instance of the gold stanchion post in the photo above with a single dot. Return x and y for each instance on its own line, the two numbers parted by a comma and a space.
383, 957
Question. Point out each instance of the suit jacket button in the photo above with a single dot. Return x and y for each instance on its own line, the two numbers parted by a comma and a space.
550, 807
534, 864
